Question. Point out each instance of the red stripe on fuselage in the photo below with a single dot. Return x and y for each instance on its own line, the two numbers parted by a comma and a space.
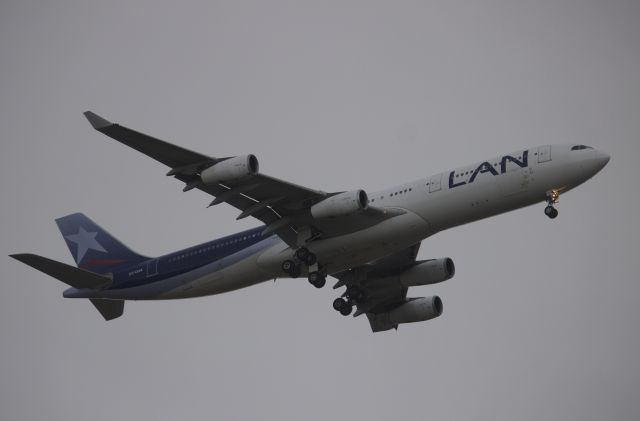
102, 262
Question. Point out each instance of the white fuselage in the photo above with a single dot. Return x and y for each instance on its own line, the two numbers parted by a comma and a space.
430, 205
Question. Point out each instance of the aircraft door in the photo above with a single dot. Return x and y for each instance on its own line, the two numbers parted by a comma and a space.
152, 267
435, 183
544, 154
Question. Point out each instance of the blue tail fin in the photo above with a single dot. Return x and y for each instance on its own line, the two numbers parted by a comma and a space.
93, 248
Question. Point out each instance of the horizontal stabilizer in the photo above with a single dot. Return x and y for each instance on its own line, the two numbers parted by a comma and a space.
110, 309
70, 275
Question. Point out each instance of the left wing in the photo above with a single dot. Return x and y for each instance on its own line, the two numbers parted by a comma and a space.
378, 291
379, 295
282, 206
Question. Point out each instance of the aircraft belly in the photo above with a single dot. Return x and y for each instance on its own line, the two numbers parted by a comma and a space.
221, 277
343, 252
240, 275
376, 242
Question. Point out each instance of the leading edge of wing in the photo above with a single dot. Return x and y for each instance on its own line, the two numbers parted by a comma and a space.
164, 152
96, 121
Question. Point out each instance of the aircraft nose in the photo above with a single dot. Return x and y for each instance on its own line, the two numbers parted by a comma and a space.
602, 159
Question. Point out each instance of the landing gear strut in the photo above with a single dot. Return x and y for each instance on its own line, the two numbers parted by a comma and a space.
552, 199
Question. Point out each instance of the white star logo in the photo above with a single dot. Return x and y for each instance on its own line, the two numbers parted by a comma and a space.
85, 241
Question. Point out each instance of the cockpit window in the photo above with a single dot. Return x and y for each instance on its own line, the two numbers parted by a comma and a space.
580, 147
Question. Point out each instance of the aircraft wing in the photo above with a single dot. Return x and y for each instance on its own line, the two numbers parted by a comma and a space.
282, 206
379, 294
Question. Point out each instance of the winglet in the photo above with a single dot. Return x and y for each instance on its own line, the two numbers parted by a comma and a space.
96, 121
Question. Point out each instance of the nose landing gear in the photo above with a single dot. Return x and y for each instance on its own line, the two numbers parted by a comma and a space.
551, 212
552, 199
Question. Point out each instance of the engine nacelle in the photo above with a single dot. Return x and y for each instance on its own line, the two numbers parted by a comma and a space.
342, 204
416, 310
428, 272
231, 169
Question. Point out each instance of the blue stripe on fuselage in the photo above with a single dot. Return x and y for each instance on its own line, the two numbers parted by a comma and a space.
186, 260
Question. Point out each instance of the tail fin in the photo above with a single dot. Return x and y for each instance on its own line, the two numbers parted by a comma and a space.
93, 248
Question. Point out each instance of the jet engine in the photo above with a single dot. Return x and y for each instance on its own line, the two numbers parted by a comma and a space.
428, 272
416, 310
234, 168
342, 204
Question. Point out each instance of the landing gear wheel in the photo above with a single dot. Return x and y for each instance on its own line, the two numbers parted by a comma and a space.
551, 212
552, 199
305, 256
317, 279
339, 303
302, 253
346, 310
288, 266
343, 306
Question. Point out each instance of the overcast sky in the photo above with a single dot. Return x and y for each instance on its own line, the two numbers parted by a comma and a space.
541, 321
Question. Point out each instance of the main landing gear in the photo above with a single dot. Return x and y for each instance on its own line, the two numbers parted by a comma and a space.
552, 199
317, 279
291, 268
305, 257
345, 305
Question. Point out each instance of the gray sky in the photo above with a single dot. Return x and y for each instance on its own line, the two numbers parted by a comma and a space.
541, 320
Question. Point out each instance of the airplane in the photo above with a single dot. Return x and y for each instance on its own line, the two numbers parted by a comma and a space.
368, 241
